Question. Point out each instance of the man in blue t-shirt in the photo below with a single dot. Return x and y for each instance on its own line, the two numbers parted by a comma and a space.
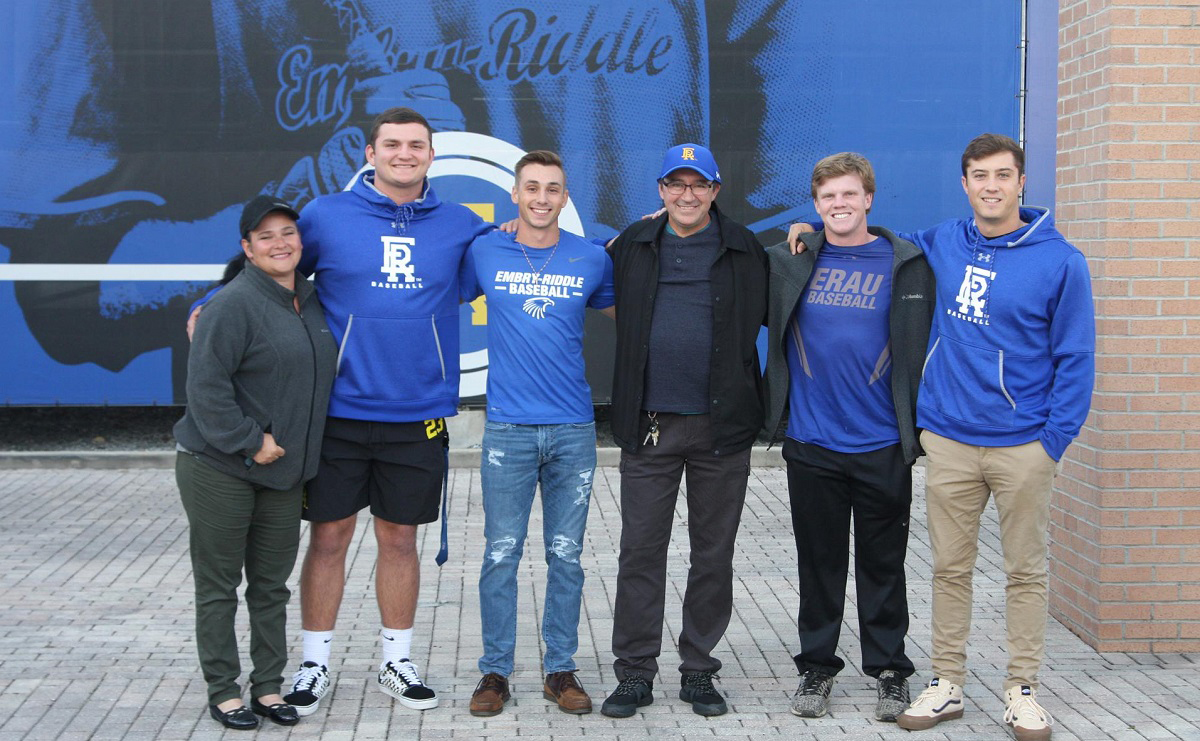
849, 320
540, 428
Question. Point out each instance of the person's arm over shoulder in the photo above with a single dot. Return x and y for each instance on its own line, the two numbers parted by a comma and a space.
236, 265
217, 351
619, 243
923, 238
474, 221
480, 226
1072, 348
310, 237
468, 279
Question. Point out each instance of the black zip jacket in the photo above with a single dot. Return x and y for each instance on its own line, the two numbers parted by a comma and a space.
739, 301
910, 316
257, 366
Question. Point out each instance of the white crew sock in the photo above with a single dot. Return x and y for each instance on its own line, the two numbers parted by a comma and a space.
396, 644
318, 644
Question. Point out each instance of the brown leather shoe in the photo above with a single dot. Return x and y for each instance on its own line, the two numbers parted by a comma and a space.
490, 695
564, 689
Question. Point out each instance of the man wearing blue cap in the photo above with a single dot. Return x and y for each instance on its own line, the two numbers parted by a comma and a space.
691, 289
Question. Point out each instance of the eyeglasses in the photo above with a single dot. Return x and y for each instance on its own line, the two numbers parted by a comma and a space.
677, 187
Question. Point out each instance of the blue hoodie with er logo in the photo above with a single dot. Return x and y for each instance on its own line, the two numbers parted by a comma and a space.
1010, 357
387, 276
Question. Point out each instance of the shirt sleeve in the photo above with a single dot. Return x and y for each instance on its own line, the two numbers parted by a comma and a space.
1073, 348
310, 239
217, 350
604, 295
922, 238
468, 281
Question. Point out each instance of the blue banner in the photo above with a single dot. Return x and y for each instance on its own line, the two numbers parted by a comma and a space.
131, 132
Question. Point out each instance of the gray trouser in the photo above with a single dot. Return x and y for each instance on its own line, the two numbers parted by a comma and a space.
716, 491
234, 524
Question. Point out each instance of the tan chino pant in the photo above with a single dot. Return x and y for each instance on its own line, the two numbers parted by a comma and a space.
959, 479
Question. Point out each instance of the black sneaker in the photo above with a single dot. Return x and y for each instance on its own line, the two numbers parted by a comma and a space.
309, 685
401, 680
697, 688
812, 696
633, 692
893, 696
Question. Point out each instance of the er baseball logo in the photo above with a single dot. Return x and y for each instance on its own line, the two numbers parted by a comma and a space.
972, 295
397, 256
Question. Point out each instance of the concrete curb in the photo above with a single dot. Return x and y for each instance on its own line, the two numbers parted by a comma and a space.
112, 459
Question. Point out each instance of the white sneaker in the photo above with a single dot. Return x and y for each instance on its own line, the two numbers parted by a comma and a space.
940, 701
309, 685
1029, 721
401, 681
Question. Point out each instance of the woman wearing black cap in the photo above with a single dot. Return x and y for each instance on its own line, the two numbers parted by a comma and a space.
261, 365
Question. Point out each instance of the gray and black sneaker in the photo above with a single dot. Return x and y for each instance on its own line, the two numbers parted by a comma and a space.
697, 688
633, 692
893, 696
812, 696
309, 685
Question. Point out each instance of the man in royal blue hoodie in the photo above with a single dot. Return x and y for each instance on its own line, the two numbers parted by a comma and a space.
386, 257
1006, 386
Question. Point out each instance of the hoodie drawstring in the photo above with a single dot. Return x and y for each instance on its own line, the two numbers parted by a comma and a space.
404, 214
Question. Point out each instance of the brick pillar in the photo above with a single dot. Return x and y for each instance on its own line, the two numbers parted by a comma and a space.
1125, 532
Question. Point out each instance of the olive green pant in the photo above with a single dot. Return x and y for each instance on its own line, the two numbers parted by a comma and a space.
959, 479
235, 524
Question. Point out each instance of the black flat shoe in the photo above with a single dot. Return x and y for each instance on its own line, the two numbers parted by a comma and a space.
281, 713
239, 719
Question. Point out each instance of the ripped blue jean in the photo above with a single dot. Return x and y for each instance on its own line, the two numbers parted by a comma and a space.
516, 458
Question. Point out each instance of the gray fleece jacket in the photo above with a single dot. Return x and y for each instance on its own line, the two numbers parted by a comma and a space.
257, 366
910, 316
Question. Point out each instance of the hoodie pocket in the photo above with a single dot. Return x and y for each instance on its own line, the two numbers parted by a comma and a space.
397, 359
966, 383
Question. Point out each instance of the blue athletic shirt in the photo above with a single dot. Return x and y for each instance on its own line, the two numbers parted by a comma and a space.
839, 352
535, 326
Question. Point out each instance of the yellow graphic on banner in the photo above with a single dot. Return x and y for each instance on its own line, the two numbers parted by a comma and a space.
485, 211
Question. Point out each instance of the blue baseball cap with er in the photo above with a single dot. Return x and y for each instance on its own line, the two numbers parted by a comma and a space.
691, 157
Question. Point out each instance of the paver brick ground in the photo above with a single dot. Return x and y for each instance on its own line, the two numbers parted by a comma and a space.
96, 632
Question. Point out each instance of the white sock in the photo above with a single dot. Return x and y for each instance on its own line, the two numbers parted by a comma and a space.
396, 644
318, 644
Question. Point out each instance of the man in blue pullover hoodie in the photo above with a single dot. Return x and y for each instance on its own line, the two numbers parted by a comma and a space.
1006, 386
386, 257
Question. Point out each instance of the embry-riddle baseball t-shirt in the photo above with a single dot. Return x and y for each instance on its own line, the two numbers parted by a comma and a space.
536, 299
839, 352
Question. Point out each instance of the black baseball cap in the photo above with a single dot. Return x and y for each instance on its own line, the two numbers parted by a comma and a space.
257, 209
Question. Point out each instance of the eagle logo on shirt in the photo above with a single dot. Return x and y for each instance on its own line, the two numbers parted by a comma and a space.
536, 307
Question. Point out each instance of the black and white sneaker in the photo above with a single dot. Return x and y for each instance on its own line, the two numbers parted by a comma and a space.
893, 696
812, 696
400, 680
309, 685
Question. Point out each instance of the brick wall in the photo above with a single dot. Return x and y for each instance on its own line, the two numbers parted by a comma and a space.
1125, 553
